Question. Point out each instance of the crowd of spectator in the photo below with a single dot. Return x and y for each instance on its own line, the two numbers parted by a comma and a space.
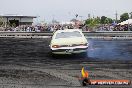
69, 26
38, 28
125, 27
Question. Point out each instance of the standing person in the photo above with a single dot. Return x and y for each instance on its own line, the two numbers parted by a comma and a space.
27, 30
51, 28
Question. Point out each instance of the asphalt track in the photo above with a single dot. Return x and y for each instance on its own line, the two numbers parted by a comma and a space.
28, 63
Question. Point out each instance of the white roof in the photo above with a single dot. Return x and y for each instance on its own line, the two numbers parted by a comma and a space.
68, 30
16, 15
129, 21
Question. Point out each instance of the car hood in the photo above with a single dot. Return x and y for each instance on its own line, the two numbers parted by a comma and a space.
69, 41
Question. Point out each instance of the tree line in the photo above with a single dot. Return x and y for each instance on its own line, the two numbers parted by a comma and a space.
91, 22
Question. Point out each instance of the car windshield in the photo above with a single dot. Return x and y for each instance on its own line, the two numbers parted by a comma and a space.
68, 34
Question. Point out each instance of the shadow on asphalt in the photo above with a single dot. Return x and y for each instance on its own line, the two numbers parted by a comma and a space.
81, 56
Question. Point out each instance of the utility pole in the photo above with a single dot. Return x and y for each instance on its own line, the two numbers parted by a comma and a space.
116, 16
88, 16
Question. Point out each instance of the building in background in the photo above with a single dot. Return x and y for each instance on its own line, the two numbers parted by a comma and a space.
17, 20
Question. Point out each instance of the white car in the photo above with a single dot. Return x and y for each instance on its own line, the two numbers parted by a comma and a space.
68, 41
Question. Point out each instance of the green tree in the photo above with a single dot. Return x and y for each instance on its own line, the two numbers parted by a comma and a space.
124, 17
98, 20
103, 18
13, 25
92, 23
88, 21
108, 21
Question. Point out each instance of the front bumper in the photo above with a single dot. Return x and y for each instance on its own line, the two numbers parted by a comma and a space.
70, 50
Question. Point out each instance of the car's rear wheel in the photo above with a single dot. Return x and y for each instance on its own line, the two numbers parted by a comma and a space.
84, 54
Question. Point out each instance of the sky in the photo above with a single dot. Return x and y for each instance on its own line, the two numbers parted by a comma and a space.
65, 10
